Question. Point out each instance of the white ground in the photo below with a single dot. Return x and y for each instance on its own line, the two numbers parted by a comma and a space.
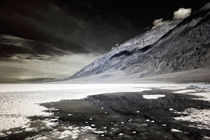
19, 101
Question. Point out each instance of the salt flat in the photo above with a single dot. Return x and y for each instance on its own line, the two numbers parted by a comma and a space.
18, 102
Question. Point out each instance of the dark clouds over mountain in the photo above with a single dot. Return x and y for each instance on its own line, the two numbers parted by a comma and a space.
55, 38
83, 25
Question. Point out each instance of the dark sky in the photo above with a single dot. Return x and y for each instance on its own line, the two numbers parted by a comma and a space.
56, 38
84, 25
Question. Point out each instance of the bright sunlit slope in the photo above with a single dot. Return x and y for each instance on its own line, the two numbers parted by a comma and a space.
172, 47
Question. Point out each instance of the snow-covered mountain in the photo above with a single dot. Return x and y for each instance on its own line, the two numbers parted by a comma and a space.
172, 47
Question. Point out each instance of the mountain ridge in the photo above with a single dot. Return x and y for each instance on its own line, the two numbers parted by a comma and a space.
164, 55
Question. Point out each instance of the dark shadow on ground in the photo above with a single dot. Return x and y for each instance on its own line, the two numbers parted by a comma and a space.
129, 116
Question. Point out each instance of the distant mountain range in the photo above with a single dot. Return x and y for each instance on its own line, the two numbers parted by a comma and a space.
178, 45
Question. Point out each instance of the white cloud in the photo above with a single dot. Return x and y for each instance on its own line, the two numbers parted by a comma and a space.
158, 22
182, 13
26, 66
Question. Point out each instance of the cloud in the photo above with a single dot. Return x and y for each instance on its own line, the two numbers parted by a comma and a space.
182, 13
159, 22
27, 66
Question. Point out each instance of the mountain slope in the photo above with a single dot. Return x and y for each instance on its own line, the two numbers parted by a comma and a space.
185, 46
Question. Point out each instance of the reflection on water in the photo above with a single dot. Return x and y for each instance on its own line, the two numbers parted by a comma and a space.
124, 114
18, 101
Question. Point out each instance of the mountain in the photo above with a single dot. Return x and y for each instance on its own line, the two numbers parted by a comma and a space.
173, 47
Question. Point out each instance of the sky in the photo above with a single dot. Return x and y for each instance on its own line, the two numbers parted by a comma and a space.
56, 38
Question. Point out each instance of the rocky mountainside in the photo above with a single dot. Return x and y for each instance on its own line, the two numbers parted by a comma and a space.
172, 47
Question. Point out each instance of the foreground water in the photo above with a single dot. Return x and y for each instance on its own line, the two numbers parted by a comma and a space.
19, 102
